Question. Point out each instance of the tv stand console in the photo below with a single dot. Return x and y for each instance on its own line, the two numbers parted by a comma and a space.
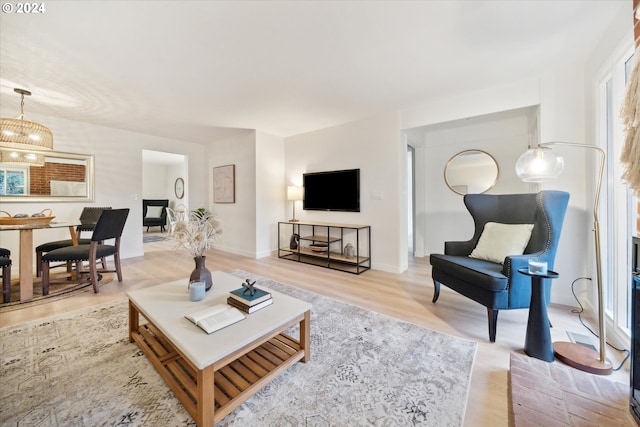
323, 244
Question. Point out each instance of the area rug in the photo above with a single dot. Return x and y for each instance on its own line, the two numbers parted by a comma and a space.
59, 288
151, 239
365, 369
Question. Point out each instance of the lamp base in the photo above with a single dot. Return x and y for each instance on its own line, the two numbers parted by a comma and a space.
581, 357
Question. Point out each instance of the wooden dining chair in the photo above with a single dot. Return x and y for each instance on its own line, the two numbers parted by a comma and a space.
88, 219
110, 225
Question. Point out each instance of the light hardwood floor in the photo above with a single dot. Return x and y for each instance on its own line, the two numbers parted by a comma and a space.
405, 296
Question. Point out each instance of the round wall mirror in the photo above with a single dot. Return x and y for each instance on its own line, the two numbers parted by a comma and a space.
471, 172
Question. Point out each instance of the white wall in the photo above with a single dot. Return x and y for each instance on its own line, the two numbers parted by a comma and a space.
118, 178
270, 192
155, 184
372, 145
239, 218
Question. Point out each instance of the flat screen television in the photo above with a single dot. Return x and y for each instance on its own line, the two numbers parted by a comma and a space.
332, 191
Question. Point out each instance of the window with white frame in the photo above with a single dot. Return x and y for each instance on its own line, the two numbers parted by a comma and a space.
14, 180
620, 207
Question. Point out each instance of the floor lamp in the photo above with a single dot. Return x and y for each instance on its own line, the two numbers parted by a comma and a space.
294, 193
542, 164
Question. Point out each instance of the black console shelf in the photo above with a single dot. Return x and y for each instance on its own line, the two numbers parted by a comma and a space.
322, 244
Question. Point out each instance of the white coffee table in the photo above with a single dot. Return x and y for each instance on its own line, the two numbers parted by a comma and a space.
213, 374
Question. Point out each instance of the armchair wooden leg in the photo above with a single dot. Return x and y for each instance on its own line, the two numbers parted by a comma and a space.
436, 291
493, 322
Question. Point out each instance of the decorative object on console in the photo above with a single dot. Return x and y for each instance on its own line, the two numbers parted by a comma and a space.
199, 232
294, 193
349, 251
319, 247
224, 184
294, 241
542, 164
21, 133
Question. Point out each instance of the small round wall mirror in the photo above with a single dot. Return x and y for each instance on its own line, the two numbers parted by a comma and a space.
471, 172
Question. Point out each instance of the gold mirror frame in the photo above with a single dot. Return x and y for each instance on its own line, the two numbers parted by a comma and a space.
72, 158
471, 172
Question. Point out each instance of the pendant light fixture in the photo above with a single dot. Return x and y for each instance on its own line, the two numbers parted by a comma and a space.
21, 133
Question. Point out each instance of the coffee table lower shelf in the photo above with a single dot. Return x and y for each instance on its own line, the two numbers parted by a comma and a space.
234, 379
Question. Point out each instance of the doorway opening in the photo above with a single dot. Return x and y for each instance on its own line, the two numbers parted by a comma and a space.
164, 178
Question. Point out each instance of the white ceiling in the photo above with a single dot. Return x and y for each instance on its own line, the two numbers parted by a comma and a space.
200, 70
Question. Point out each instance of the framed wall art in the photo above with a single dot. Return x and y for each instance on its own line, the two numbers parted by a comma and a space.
224, 184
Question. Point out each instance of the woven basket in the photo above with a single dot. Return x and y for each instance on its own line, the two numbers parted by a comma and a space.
31, 220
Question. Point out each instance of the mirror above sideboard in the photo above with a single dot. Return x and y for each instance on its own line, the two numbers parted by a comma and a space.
471, 172
45, 176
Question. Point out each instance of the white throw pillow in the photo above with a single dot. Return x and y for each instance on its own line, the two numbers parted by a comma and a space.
500, 240
154, 212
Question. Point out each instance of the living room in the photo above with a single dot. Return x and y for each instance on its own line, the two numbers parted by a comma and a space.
558, 100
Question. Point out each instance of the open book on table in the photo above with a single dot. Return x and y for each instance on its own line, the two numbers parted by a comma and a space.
215, 317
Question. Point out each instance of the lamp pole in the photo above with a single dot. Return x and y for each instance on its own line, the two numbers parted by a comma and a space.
603, 367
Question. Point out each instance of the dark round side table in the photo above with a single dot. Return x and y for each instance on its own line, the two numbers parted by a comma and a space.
538, 339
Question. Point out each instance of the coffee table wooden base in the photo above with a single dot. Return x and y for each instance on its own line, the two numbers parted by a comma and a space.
212, 393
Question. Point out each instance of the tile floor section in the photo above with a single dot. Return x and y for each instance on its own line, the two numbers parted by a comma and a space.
554, 394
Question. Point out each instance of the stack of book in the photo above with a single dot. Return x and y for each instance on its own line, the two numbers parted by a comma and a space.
249, 303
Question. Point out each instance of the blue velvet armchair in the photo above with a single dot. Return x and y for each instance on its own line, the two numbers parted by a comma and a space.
500, 286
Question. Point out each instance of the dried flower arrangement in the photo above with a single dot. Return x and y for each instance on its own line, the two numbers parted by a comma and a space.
199, 232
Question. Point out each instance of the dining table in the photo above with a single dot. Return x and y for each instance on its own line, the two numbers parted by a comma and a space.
26, 249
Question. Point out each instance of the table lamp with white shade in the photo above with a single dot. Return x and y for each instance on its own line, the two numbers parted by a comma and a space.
294, 193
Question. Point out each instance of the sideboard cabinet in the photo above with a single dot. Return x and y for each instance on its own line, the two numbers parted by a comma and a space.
326, 245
